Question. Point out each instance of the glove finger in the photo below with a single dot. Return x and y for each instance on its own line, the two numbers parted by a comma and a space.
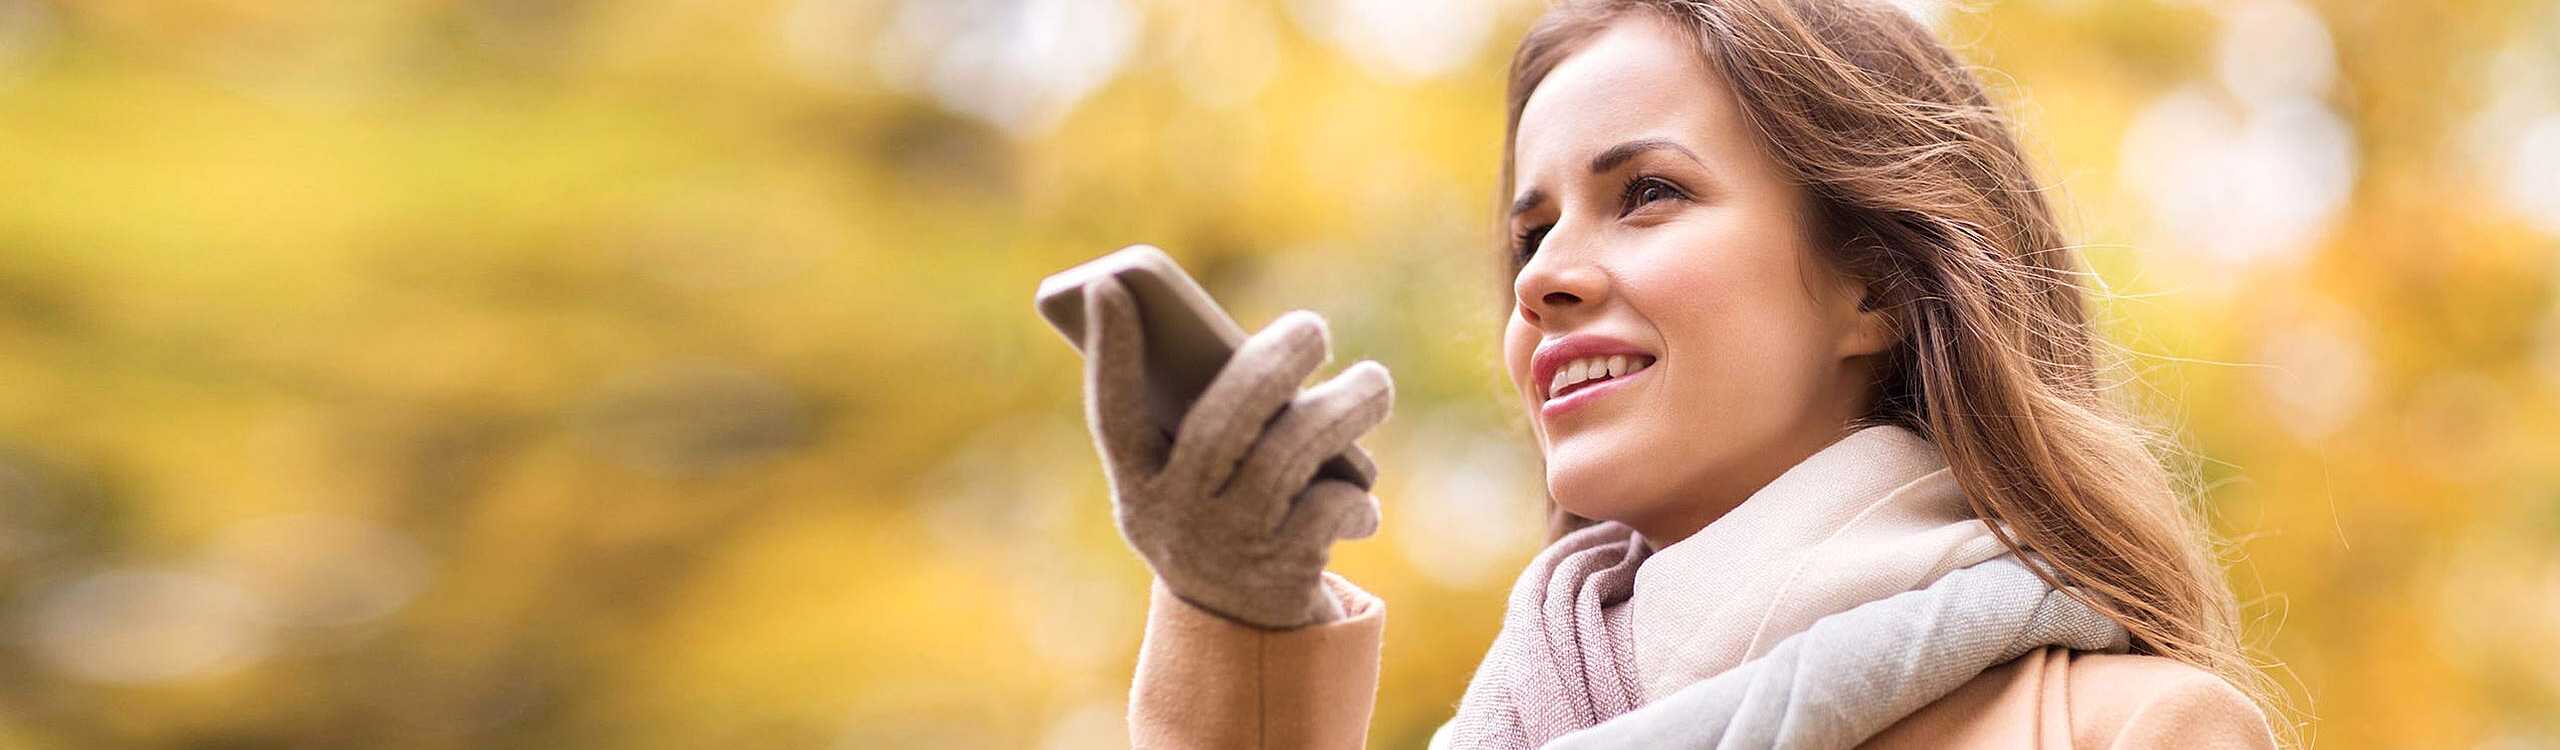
1363, 522
1321, 423
1254, 385
1364, 469
1328, 510
1115, 358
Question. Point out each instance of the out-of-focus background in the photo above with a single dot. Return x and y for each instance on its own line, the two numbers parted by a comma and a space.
663, 373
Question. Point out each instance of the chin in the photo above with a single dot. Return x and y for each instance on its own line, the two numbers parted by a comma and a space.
1595, 487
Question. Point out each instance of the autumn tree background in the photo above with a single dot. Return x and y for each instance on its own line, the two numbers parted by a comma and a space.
663, 373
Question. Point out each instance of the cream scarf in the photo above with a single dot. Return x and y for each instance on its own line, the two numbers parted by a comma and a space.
1601, 623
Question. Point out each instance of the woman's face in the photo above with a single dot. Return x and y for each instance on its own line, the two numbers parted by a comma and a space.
1659, 230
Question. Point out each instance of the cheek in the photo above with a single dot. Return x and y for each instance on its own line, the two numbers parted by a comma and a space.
1735, 318
1518, 341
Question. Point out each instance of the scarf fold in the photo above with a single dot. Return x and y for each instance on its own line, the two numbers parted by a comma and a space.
1601, 622
1855, 673
1564, 658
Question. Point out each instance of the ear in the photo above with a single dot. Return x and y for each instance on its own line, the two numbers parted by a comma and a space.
1867, 328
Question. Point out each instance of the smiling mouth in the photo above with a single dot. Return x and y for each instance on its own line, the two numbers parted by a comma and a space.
1596, 371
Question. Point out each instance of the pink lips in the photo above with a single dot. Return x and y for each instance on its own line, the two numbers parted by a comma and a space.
1556, 353
1576, 398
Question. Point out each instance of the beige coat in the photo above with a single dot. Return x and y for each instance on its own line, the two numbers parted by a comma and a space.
1207, 682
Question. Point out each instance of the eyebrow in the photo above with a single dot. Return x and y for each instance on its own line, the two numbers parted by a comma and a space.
1607, 160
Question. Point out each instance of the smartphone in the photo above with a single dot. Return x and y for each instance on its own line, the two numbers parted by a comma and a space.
1188, 338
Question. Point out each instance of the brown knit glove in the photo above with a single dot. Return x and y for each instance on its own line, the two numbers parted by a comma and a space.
1228, 511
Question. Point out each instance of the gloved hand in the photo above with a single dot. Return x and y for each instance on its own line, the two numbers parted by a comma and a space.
1225, 510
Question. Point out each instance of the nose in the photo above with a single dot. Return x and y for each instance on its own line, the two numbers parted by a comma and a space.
1557, 282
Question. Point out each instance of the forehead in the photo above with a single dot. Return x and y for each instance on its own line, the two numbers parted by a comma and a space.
1638, 78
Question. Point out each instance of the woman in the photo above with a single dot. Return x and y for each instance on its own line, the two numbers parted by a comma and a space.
1829, 459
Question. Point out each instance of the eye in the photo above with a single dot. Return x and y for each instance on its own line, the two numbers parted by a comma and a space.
1644, 190
1640, 191
1525, 244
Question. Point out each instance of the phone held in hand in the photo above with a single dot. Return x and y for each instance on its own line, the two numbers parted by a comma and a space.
1188, 337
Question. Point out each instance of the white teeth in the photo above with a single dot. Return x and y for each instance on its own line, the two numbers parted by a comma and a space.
1592, 368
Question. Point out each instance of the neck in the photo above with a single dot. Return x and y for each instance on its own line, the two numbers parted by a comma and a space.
1722, 493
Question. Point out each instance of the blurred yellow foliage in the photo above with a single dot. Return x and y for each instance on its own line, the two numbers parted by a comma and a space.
464, 373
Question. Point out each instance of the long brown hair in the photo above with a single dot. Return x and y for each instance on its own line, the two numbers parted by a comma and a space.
1925, 194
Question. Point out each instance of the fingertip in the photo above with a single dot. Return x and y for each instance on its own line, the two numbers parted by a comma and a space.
1370, 368
1367, 523
1363, 520
1310, 329
1105, 291
1103, 299
1309, 320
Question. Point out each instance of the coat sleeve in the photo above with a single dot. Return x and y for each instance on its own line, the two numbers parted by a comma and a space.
2197, 710
1206, 681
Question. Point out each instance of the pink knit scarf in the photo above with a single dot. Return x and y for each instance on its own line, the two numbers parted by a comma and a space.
1566, 657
